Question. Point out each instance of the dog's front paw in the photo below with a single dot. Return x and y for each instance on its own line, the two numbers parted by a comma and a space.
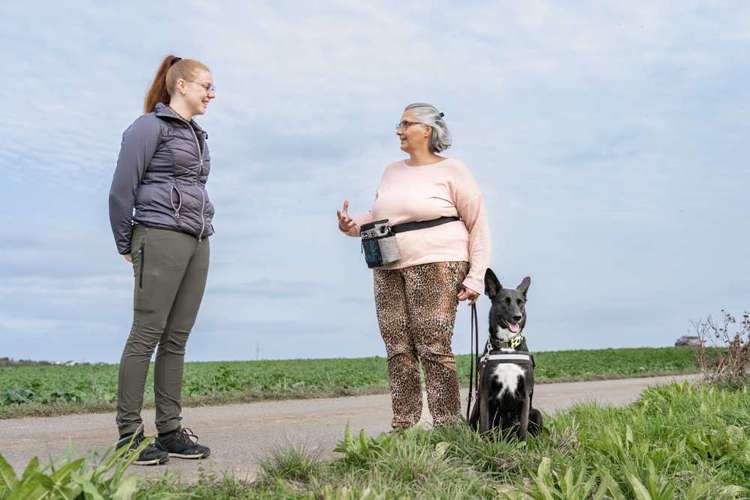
536, 421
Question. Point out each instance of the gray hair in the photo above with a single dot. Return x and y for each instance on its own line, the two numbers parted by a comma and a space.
440, 139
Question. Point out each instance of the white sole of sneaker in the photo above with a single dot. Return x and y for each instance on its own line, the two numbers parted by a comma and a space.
155, 461
190, 457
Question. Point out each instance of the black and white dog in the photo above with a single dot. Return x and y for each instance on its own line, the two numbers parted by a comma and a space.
505, 380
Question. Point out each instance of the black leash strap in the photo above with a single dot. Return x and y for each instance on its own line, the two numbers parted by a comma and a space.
474, 354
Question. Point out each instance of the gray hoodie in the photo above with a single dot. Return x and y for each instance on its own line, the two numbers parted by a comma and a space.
160, 179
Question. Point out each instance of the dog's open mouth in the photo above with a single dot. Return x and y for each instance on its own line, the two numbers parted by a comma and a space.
513, 327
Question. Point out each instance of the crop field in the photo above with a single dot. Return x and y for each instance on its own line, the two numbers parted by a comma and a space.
54, 390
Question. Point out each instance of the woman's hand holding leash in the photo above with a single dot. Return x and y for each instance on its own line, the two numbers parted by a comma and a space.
467, 293
346, 223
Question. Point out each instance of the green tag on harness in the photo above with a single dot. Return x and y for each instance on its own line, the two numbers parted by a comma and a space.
515, 340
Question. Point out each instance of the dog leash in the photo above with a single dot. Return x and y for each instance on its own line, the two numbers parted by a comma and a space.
474, 354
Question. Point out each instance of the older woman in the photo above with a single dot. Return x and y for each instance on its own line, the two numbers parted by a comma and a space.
416, 297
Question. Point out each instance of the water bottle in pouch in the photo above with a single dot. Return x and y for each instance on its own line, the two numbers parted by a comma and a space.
379, 244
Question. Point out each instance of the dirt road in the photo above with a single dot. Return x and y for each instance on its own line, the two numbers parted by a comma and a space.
241, 434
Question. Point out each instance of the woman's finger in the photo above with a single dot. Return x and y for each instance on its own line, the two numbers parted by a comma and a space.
465, 293
346, 224
342, 217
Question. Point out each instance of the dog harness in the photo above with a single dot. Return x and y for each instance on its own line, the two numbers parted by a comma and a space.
492, 357
507, 356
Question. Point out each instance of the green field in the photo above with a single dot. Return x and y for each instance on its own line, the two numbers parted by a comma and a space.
54, 390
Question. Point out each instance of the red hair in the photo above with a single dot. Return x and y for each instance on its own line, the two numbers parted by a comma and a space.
171, 69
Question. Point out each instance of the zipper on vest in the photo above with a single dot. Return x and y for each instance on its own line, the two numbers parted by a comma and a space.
200, 172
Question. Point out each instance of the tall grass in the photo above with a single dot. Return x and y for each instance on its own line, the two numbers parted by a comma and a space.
677, 441
84, 478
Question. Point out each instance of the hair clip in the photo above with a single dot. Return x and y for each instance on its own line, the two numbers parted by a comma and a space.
176, 59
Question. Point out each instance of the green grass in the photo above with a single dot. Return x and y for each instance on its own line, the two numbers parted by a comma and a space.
677, 441
55, 390
93, 477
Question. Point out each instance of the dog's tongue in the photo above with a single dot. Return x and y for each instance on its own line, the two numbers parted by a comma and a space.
514, 327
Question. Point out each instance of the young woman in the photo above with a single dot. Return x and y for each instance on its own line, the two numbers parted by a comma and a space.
416, 297
161, 219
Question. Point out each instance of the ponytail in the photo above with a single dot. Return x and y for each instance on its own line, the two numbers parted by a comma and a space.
171, 69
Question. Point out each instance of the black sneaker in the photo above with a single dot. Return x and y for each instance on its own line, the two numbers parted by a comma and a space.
182, 443
150, 455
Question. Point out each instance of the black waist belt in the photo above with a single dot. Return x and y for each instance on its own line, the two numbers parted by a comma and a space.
424, 224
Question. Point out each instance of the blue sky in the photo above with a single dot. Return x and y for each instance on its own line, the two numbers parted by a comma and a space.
609, 138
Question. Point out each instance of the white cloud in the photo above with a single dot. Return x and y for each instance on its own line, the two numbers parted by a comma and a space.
609, 139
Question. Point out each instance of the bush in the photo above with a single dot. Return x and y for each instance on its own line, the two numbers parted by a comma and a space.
731, 363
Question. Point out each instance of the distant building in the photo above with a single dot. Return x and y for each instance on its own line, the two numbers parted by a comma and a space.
689, 340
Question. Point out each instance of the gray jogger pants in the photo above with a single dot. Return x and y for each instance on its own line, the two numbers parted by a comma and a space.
170, 276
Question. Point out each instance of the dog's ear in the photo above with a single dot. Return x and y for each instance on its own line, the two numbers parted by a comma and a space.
524, 286
491, 284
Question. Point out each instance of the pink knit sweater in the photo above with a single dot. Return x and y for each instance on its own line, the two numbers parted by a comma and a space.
446, 188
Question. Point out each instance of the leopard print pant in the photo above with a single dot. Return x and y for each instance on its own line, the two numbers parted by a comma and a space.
416, 309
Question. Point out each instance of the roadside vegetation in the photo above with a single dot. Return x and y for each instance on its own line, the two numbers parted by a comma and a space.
730, 365
94, 477
677, 441
55, 390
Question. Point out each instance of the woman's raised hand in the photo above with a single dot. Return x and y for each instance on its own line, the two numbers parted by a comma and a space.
346, 223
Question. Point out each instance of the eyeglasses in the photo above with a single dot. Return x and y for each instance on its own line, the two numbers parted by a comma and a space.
405, 124
208, 87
